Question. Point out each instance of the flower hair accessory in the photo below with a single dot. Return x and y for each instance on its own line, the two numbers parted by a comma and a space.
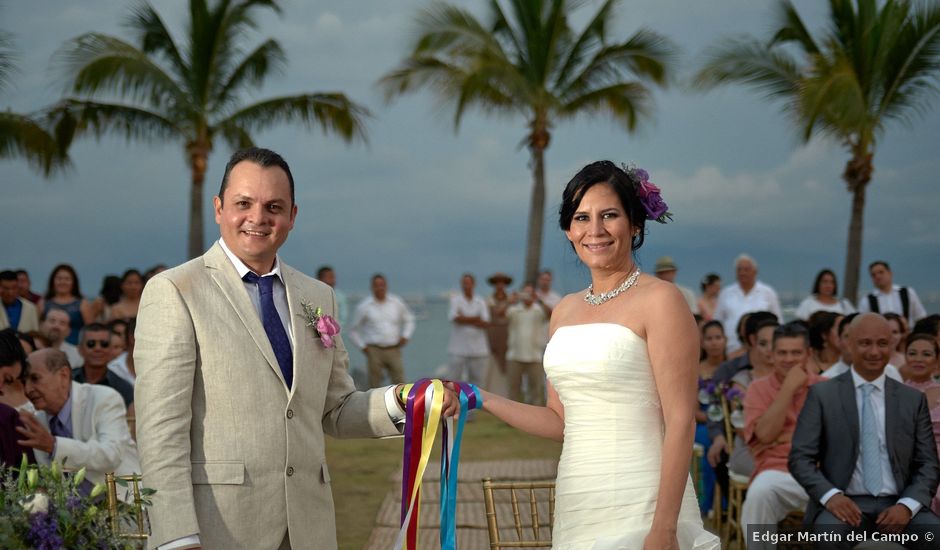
324, 326
649, 194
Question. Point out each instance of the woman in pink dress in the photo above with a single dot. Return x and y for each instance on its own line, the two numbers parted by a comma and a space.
921, 355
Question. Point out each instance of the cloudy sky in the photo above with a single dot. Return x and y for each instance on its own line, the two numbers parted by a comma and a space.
424, 203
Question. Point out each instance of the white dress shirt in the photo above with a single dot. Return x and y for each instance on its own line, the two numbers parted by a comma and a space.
856, 485
118, 366
891, 302
468, 340
381, 323
254, 293
733, 303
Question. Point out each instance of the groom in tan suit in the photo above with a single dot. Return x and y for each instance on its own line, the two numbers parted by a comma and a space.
234, 392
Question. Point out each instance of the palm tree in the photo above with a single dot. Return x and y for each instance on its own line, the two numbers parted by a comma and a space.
23, 136
527, 60
870, 67
189, 92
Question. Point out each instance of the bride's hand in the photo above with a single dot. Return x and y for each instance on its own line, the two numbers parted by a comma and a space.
661, 540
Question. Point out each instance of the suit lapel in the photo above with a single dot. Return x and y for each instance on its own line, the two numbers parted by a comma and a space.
78, 412
891, 417
850, 410
297, 320
226, 277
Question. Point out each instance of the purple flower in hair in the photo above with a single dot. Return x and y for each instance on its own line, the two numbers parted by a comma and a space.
650, 195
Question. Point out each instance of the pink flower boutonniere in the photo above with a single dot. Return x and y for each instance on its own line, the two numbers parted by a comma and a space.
324, 326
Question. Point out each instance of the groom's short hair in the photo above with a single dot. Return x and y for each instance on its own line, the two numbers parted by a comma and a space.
264, 158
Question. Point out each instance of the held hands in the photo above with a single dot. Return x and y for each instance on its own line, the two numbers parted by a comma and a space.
451, 405
37, 436
845, 510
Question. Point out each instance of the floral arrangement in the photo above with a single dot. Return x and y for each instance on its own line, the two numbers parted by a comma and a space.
709, 395
650, 195
41, 508
324, 326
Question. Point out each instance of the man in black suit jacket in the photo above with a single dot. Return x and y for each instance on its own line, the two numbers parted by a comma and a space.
874, 475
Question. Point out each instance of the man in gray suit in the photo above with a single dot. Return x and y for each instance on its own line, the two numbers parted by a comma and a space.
235, 391
864, 448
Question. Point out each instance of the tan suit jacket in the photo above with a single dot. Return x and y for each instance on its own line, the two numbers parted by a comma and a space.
235, 455
29, 318
100, 442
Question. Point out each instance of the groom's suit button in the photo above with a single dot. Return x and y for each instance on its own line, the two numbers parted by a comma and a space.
290, 470
290, 413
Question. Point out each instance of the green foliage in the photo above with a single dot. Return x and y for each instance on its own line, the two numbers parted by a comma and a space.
40, 506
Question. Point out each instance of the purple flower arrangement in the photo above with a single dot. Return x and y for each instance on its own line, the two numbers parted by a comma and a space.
709, 395
42, 508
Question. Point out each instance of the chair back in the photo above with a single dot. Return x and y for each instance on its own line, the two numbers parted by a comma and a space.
530, 505
726, 418
138, 528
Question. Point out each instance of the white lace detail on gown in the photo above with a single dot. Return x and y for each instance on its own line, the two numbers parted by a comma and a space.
608, 475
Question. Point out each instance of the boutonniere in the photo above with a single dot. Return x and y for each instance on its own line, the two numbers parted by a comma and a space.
324, 326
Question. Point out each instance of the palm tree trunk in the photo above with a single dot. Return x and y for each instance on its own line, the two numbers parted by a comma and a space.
857, 175
198, 156
538, 142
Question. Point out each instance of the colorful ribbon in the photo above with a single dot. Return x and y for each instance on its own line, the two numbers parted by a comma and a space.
422, 416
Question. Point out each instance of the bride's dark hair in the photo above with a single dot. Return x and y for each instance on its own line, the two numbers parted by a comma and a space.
604, 171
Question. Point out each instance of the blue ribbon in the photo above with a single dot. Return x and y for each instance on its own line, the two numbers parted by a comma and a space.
470, 398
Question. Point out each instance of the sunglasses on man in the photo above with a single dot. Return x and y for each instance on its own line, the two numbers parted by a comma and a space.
90, 344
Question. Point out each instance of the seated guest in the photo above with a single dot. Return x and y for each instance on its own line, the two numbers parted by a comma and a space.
864, 449
771, 408
12, 398
18, 313
899, 332
824, 297
95, 346
922, 354
55, 327
756, 363
824, 343
81, 425
123, 364
118, 328
844, 364
12, 361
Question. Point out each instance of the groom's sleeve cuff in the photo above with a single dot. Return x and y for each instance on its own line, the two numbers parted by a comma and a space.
391, 405
191, 541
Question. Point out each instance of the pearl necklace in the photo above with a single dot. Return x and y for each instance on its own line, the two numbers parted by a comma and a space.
596, 300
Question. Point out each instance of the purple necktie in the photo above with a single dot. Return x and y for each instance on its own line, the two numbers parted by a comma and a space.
273, 326
58, 428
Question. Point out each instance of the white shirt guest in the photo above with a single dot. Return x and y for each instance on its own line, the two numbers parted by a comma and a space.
745, 296
469, 347
888, 297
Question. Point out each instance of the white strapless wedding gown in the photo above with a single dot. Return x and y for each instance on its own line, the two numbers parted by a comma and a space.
608, 475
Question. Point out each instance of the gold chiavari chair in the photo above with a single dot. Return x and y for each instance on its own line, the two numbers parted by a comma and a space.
532, 514
138, 529
733, 535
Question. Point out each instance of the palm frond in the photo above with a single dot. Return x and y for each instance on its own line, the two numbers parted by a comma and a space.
792, 29
626, 102
96, 63
155, 38
235, 136
912, 64
73, 118
7, 59
334, 113
454, 31
23, 137
749, 62
253, 69
592, 37
833, 101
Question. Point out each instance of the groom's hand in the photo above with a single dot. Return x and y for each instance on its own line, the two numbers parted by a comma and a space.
451, 401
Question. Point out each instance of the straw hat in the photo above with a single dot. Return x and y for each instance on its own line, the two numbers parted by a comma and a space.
665, 263
499, 276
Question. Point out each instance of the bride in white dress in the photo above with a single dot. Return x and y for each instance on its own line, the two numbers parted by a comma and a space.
621, 365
